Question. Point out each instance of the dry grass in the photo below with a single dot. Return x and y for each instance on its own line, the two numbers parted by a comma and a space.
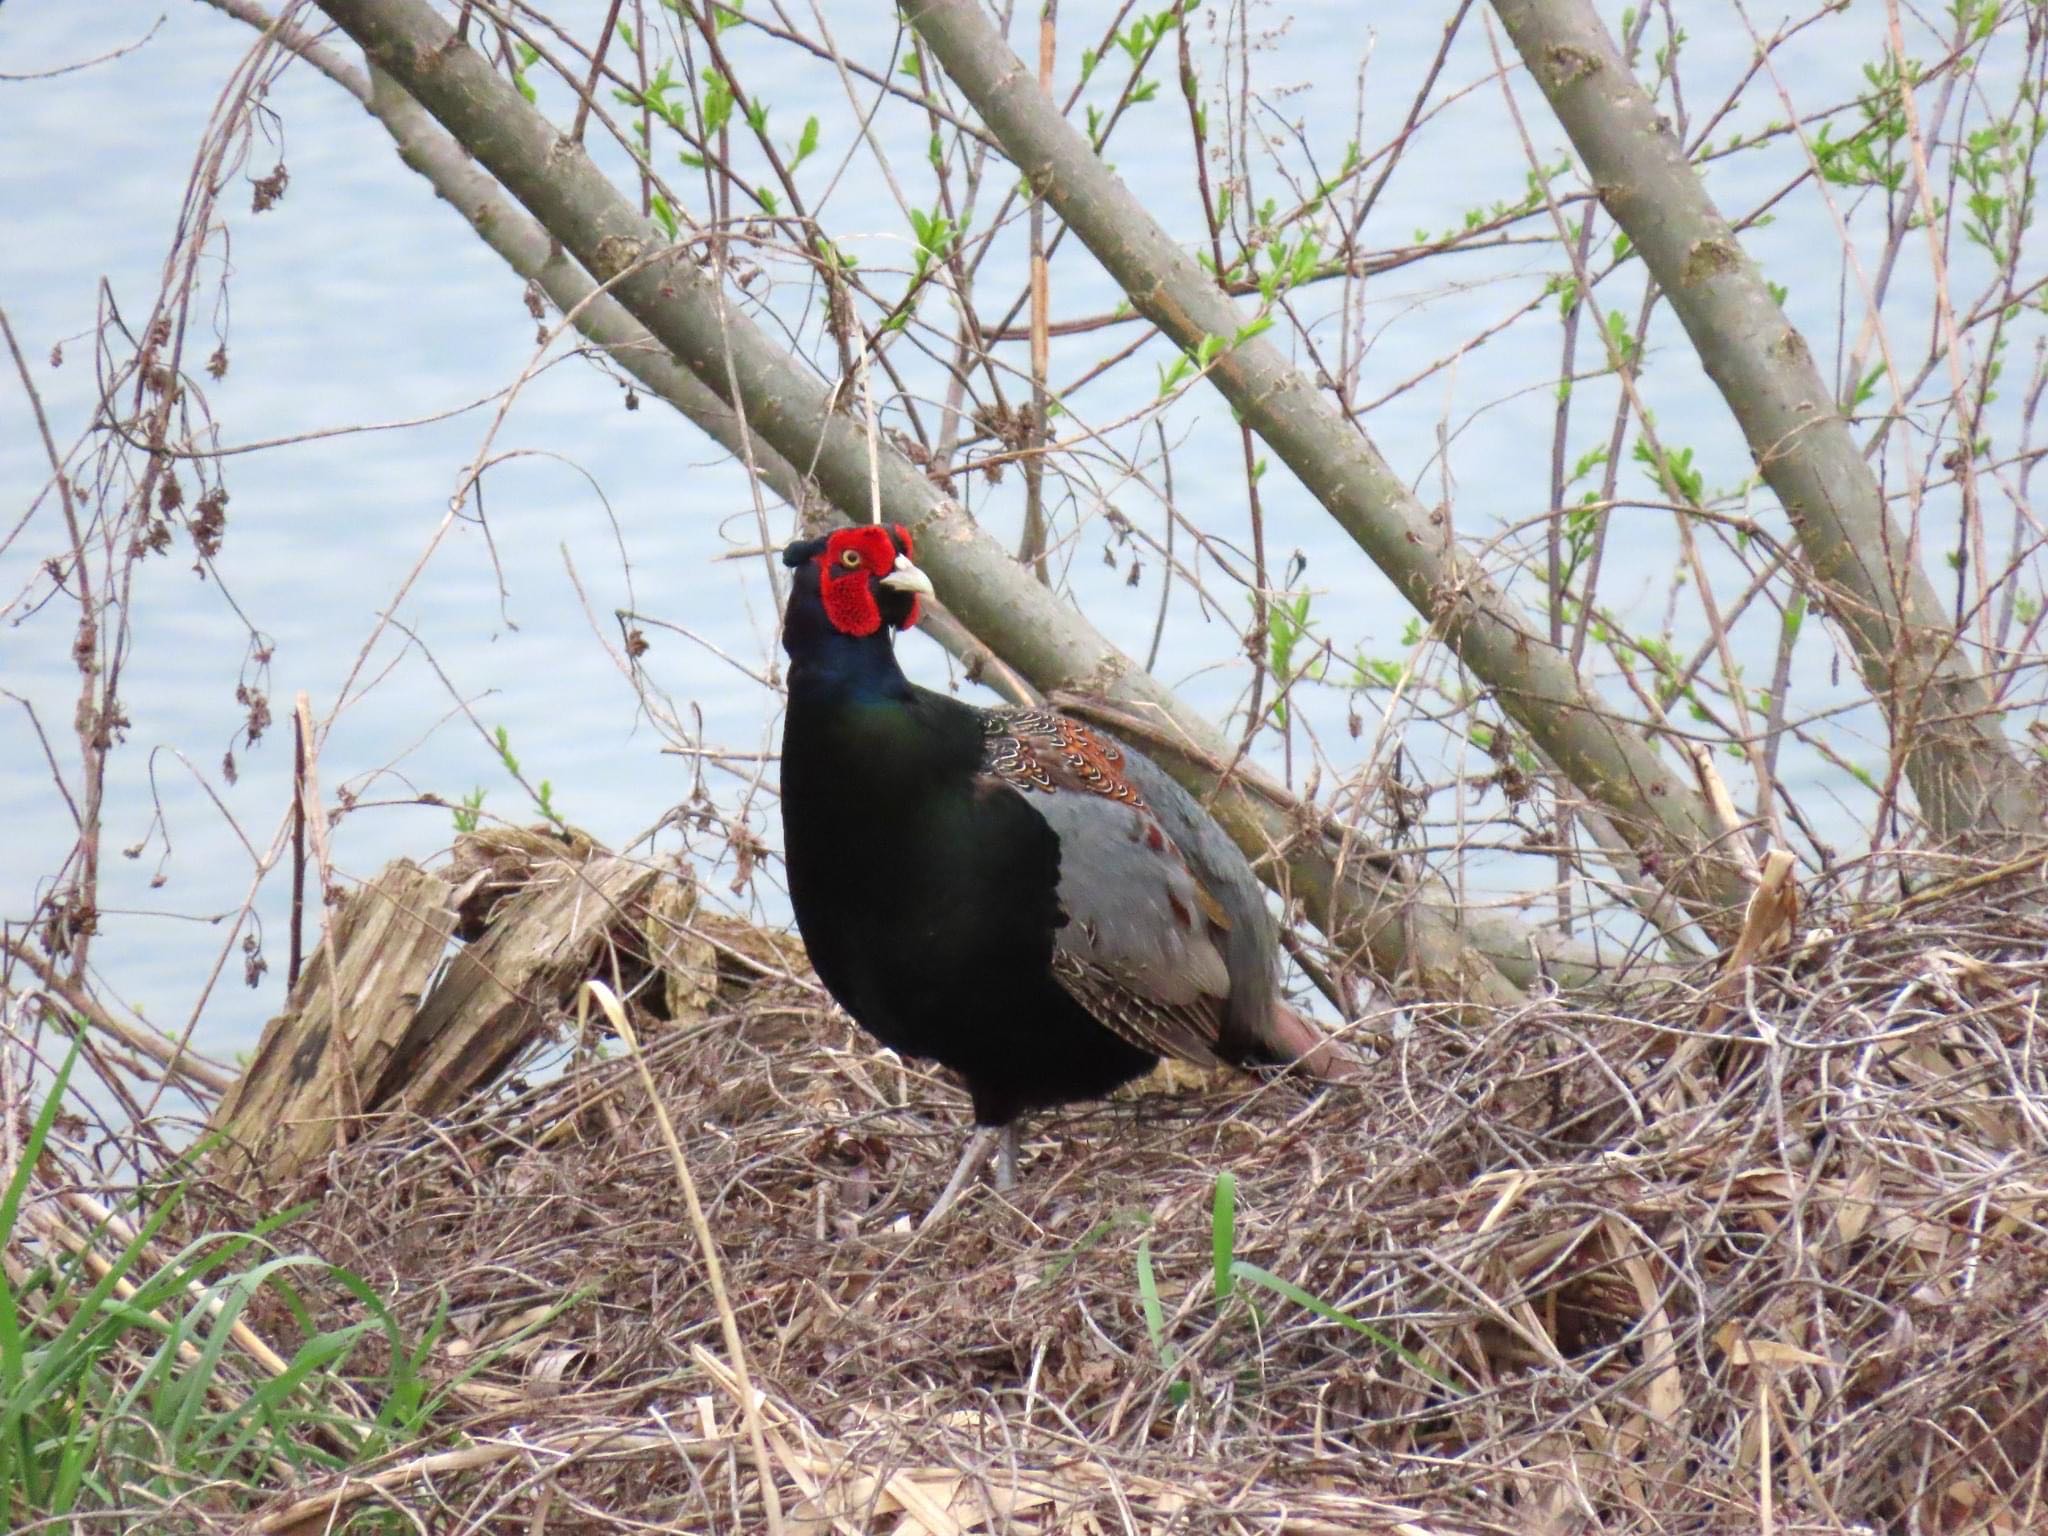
1789, 1277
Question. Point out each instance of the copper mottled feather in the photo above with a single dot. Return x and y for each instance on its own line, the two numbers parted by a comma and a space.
1142, 947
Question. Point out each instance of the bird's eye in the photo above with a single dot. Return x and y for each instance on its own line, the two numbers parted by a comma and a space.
849, 558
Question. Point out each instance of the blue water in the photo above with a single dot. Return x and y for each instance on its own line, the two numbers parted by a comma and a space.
359, 300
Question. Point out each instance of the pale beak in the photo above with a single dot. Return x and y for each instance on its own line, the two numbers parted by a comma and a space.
908, 578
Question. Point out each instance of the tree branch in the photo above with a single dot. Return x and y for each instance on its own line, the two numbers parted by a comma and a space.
1943, 715
1664, 821
1361, 899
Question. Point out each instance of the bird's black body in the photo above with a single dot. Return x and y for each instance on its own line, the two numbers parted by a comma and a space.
928, 905
1000, 892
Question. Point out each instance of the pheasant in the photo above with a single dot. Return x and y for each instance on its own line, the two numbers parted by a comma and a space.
1002, 891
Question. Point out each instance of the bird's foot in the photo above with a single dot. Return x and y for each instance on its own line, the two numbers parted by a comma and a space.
986, 1139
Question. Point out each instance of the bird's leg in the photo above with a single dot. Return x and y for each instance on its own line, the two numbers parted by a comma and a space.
978, 1147
1006, 1158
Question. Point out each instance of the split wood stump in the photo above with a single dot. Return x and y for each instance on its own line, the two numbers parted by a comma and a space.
385, 1017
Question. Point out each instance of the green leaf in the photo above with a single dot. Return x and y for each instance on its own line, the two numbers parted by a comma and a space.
807, 145
1619, 340
718, 102
1795, 615
1170, 377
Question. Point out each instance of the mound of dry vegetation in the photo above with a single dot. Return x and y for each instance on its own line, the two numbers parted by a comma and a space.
1592, 1268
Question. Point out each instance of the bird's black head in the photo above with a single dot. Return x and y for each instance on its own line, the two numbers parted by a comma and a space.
858, 579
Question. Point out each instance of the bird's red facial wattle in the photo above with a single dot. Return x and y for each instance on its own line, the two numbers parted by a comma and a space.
857, 561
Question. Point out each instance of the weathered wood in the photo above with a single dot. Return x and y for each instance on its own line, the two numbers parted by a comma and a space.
491, 867
372, 1027
687, 961
368, 973
497, 994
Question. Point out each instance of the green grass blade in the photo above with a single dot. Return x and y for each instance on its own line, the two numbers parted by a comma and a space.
1155, 1322
74, 1460
17, 1457
38, 1134
1131, 1217
199, 1377
1148, 1300
268, 1403
487, 1357
1223, 1234
1321, 1308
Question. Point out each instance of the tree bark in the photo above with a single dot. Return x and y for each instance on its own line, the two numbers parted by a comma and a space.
1943, 715
1358, 897
1657, 811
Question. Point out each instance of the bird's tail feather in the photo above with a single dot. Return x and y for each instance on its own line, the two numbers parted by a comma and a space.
1296, 1040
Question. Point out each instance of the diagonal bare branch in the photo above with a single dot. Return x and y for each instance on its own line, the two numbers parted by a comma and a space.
1355, 894
1663, 820
1943, 716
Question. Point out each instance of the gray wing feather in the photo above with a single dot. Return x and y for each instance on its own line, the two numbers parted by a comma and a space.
1251, 949
1133, 909
1185, 1031
1167, 939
